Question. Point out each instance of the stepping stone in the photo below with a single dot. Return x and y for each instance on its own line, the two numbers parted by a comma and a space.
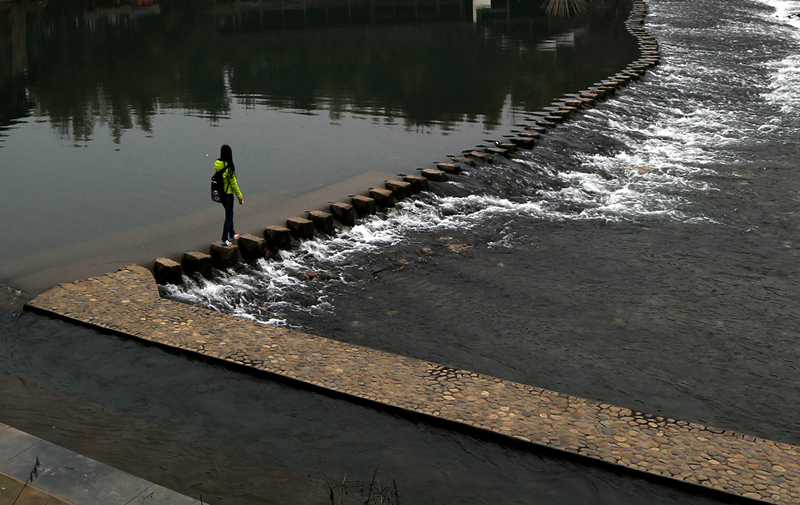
167, 271
224, 256
418, 182
450, 168
400, 189
364, 205
344, 213
252, 247
322, 220
197, 262
522, 141
301, 228
481, 156
496, 151
536, 128
434, 175
464, 160
278, 237
382, 197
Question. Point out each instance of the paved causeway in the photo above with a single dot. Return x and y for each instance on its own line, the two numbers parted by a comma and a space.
128, 302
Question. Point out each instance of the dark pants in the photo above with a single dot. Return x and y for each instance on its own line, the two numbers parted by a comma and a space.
227, 228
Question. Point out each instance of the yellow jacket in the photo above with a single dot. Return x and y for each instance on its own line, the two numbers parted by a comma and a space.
228, 179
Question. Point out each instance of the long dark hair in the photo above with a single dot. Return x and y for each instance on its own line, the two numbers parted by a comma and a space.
226, 155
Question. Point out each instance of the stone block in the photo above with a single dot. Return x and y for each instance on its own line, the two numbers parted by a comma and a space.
252, 247
508, 146
300, 227
522, 141
450, 168
536, 128
418, 183
496, 151
434, 175
481, 156
382, 197
278, 237
196, 262
400, 189
364, 205
464, 160
322, 220
344, 213
167, 271
224, 256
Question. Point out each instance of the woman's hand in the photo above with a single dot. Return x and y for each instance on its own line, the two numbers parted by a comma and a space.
241, 201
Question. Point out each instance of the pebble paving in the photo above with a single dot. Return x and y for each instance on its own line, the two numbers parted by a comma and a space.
128, 302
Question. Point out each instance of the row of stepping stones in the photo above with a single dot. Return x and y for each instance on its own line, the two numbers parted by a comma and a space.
250, 247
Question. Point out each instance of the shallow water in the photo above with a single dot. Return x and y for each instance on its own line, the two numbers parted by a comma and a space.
111, 118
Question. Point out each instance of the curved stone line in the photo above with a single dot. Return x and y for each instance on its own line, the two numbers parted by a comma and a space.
275, 238
128, 303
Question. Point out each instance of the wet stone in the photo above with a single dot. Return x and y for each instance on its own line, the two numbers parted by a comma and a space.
195, 262
344, 213
481, 156
399, 189
167, 271
323, 221
364, 205
300, 227
418, 183
450, 168
434, 175
382, 197
278, 237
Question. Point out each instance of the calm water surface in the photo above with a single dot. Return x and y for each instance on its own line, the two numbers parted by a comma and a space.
111, 117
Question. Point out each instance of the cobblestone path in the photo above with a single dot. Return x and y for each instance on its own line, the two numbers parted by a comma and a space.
128, 302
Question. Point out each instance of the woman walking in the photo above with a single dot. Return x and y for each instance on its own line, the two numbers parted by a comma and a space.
231, 187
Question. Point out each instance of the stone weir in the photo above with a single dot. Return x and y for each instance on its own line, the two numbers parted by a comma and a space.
275, 238
128, 303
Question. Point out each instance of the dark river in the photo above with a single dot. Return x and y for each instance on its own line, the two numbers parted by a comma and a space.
644, 256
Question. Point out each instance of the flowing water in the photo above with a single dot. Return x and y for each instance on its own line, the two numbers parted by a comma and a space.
645, 255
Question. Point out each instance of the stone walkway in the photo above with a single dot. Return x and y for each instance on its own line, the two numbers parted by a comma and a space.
128, 302
64, 477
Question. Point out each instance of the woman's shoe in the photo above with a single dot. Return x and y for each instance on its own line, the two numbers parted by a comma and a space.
226, 243
233, 238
